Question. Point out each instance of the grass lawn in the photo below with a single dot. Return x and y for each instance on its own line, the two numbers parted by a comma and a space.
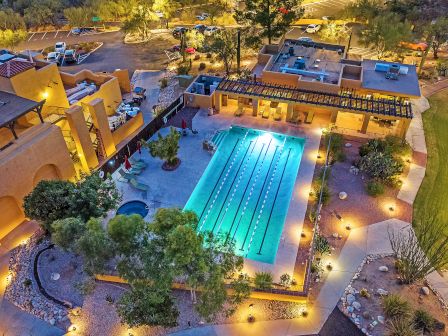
432, 198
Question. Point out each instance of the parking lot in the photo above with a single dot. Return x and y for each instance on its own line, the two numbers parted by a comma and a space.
55, 35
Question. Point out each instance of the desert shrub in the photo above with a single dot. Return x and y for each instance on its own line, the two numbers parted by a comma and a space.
336, 146
285, 280
263, 280
196, 57
316, 266
423, 320
395, 307
381, 166
183, 69
312, 215
163, 83
321, 245
27, 282
389, 145
201, 66
374, 188
209, 55
400, 326
364, 293
325, 192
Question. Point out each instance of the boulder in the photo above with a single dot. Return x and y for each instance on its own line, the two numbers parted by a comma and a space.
380, 319
366, 315
342, 195
383, 269
425, 290
350, 299
356, 305
382, 292
348, 145
350, 309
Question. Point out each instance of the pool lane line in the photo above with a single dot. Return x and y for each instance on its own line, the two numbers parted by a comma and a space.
223, 181
261, 192
250, 195
220, 175
245, 190
273, 204
233, 182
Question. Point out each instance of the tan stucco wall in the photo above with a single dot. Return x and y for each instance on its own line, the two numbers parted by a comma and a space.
128, 128
39, 152
197, 100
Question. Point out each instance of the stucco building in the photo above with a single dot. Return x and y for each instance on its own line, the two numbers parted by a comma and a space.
55, 125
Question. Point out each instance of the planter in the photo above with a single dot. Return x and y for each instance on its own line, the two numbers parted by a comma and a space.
166, 166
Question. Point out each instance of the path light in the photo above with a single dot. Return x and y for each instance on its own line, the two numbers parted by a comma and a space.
72, 328
348, 226
45, 94
251, 318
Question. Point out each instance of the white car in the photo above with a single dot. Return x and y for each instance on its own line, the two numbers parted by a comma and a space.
54, 57
312, 28
202, 16
210, 30
60, 47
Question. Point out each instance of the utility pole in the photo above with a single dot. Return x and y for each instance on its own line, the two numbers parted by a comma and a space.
238, 52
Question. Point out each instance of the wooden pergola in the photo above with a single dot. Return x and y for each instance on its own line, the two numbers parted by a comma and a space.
12, 107
350, 102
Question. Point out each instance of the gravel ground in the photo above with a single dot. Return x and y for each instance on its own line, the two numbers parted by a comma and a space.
70, 269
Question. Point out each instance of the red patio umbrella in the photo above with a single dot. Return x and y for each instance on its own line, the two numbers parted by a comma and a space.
184, 124
127, 164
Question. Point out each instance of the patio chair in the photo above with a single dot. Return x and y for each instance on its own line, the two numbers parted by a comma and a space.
266, 113
239, 111
137, 164
139, 185
125, 176
135, 171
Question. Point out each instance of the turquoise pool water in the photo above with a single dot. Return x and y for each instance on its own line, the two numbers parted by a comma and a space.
245, 190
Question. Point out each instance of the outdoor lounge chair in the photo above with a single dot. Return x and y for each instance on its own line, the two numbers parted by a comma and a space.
278, 114
239, 111
137, 164
125, 176
139, 185
266, 113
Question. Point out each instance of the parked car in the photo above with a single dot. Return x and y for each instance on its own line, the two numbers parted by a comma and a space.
210, 30
312, 28
328, 18
60, 47
54, 57
200, 28
75, 31
81, 31
202, 16
416, 46
178, 31
70, 56
305, 39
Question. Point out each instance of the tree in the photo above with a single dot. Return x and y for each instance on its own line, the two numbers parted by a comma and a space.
94, 197
166, 148
65, 232
215, 8
334, 32
78, 16
42, 12
128, 232
363, 10
147, 304
167, 8
421, 252
439, 33
273, 16
385, 34
167, 219
381, 166
49, 201
11, 20
224, 46
11, 39
95, 247
140, 20
195, 39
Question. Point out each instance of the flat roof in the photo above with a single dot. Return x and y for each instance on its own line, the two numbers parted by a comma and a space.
406, 85
13, 107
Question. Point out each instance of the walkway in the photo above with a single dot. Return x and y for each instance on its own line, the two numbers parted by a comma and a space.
14, 321
431, 89
372, 239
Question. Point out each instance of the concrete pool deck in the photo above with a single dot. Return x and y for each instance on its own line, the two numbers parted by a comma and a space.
173, 189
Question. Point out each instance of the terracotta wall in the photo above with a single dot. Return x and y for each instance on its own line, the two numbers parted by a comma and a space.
39, 153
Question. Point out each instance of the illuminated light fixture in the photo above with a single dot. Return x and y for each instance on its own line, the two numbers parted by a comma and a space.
72, 328
391, 208
45, 95
348, 227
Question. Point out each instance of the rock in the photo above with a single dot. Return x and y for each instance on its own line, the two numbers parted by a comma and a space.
348, 145
364, 330
335, 235
425, 290
350, 299
356, 305
350, 309
342, 195
366, 315
382, 292
55, 276
52, 321
380, 319
383, 269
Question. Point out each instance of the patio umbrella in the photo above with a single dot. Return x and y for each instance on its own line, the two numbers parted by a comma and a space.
139, 147
184, 124
127, 164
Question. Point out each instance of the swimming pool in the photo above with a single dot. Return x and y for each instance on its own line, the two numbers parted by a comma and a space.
245, 190
133, 208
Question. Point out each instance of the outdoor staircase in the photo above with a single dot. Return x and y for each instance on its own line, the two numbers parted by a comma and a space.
218, 137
